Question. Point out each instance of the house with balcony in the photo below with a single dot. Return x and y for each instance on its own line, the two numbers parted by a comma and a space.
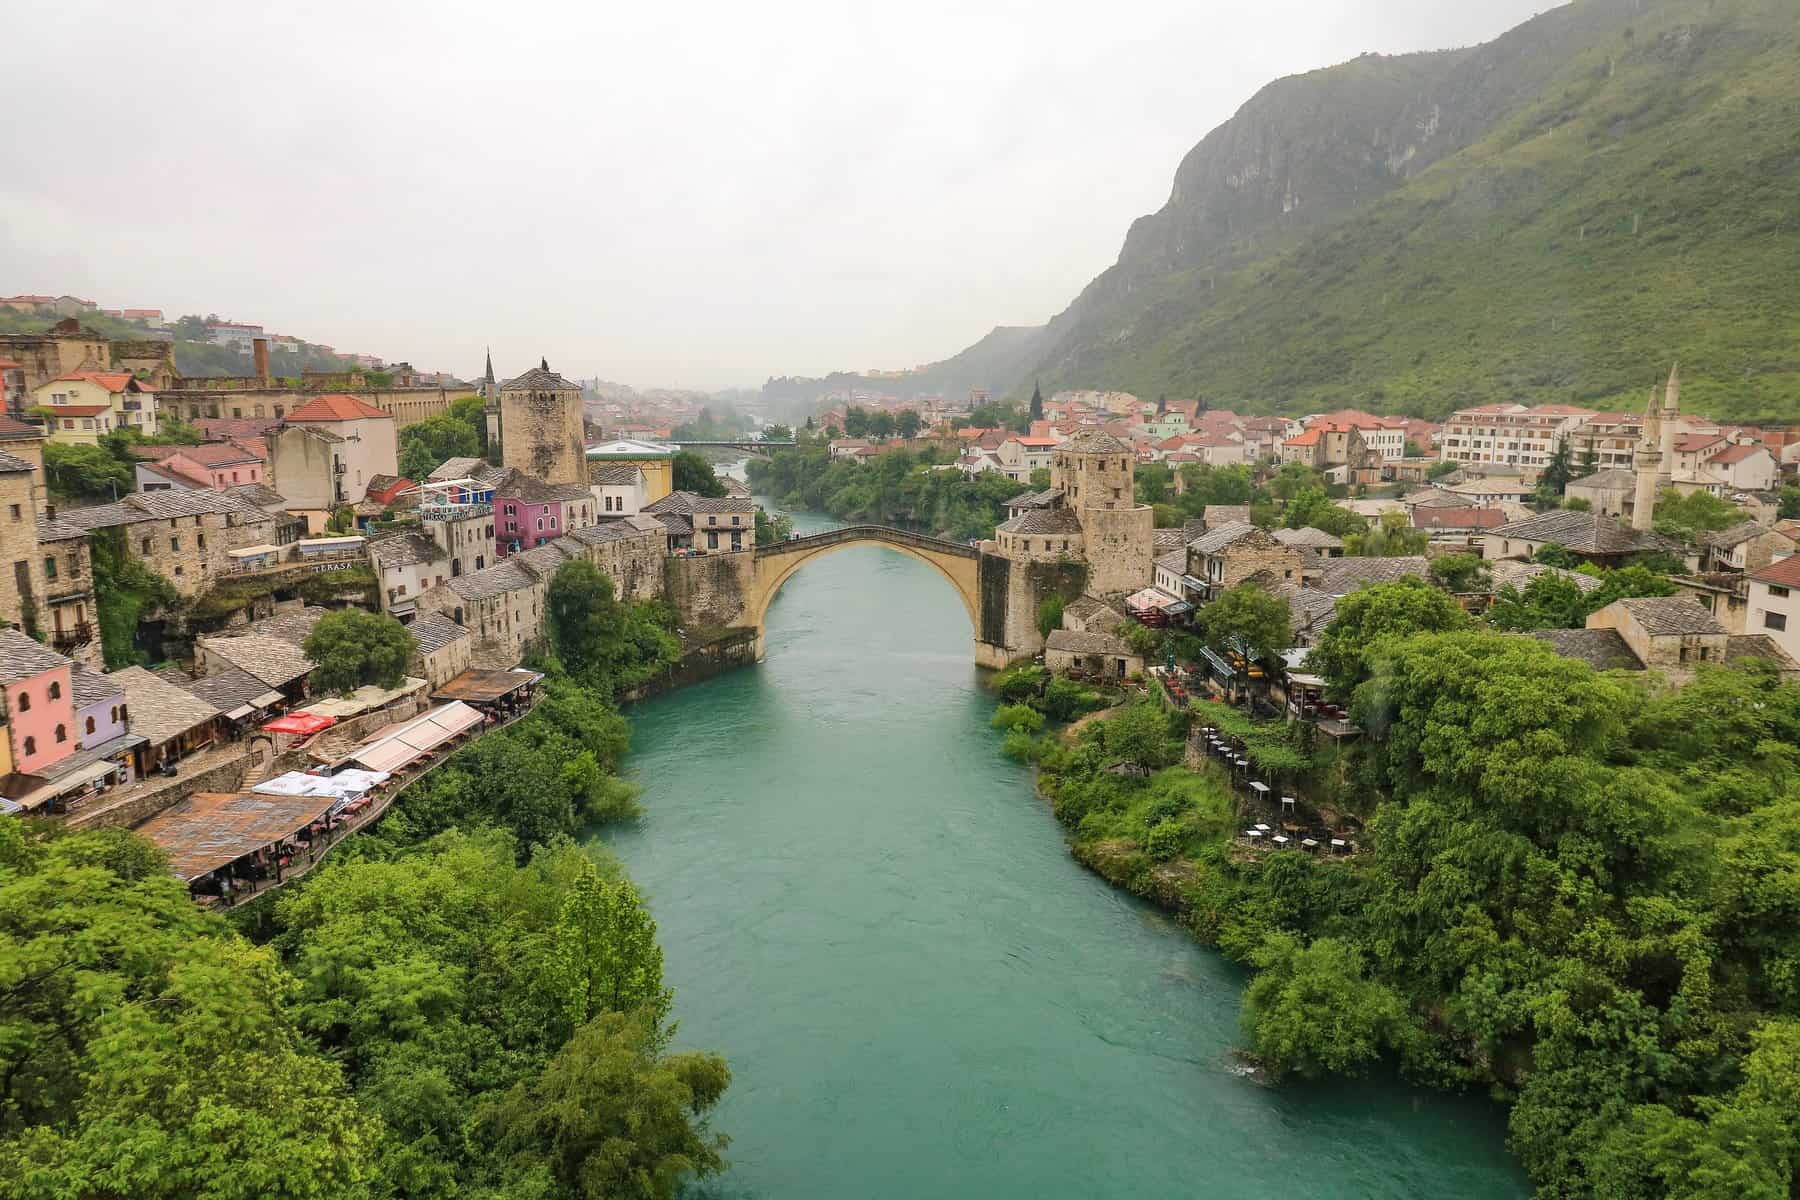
1222, 558
81, 406
705, 525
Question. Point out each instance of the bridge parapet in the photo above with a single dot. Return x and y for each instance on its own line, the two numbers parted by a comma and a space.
866, 533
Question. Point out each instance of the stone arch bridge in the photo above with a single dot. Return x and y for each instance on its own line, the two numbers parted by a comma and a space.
1001, 596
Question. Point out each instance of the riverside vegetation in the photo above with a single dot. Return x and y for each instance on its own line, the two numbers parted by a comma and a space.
461, 1002
1575, 889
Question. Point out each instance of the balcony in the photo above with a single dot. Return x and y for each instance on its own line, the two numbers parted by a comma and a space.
67, 639
454, 512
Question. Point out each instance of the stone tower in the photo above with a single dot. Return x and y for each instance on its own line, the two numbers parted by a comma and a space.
490, 402
541, 428
1649, 463
1096, 474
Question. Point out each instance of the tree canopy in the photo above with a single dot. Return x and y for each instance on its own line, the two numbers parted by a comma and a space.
425, 444
354, 648
1366, 618
692, 473
1246, 616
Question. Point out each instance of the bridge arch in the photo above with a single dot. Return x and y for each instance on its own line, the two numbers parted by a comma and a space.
956, 562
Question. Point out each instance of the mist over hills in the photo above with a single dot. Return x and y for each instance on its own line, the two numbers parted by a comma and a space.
1551, 216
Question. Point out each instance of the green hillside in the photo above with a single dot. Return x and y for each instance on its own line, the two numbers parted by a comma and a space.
1551, 217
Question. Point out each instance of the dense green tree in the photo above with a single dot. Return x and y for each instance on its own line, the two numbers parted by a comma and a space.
882, 424
1439, 470
1310, 508
1698, 512
1460, 572
1036, 411
1139, 736
1246, 617
1049, 614
1552, 554
147, 1050
1392, 536
602, 642
1790, 503
426, 444
611, 1116
1366, 619
88, 472
471, 411
692, 473
606, 958
354, 647
1550, 601
1556, 475
907, 423
1311, 1010
1623, 583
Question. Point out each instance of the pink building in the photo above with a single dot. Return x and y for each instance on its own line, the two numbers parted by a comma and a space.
213, 465
529, 512
39, 696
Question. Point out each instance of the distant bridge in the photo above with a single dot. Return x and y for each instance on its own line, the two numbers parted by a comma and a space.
748, 445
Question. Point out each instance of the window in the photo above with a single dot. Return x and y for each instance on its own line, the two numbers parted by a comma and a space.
25, 704
737, 520
90, 724
201, 539
1775, 621
1775, 590
55, 690
15, 512
49, 566
553, 520
402, 589
175, 544
30, 746
712, 541
62, 734
540, 522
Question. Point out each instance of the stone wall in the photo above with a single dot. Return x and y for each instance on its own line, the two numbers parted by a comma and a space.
711, 591
735, 648
227, 776
1121, 547
1252, 556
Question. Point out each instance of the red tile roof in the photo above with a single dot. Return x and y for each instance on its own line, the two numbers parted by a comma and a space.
1783, 572
335, 408
78, 410
1736, 454
12, 428
112, 381
1309, 438
1689, 442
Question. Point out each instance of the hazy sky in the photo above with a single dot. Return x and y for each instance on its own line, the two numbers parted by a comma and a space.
680, 194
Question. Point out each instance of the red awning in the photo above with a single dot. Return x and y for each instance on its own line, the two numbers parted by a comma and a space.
303, 723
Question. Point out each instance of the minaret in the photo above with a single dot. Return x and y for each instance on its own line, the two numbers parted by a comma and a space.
490, 397
1648, 462
1671, 415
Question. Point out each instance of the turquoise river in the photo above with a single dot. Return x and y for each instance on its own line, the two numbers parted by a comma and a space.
864, 907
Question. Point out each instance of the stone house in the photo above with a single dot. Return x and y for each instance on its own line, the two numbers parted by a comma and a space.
1224, 557
276, 663
185, 537
1088, 615
703, 524
1746, 546
1100, 655
1312, 541
406, 564
46, 580
1042, 535
173, 722
65, 347
445, 650
1590, 536
1668, 633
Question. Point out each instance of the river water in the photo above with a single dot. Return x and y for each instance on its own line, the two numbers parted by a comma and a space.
865, 909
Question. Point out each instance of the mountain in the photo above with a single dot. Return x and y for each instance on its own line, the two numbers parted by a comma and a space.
1552, 216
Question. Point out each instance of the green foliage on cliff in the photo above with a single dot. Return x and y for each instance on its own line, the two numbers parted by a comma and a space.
1551, 217
125, 592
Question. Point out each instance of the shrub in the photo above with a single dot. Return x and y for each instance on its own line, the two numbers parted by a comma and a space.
1164, 841
1064, 700
1018, 718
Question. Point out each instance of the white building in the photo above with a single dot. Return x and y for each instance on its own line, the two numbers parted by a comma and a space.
1774, 606
618, 489
1510, 434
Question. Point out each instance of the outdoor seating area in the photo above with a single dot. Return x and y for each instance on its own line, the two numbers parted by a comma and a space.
228, 845
1289, 828
498, 694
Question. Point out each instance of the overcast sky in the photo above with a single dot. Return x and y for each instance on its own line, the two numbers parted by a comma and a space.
694, 195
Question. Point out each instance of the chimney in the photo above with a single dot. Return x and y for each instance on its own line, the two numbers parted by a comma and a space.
259, 350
